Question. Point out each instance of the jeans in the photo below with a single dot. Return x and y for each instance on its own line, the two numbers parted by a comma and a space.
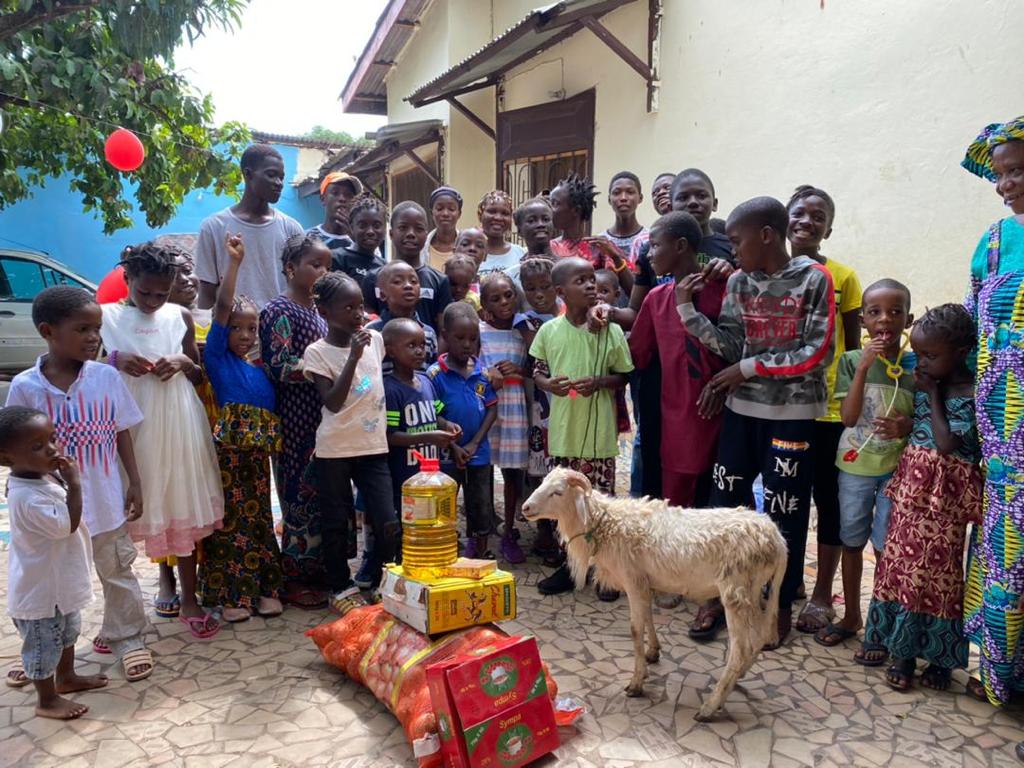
863, 510
43, 642
780, 452
372, 478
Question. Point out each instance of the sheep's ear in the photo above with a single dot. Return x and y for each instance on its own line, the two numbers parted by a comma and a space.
581, 507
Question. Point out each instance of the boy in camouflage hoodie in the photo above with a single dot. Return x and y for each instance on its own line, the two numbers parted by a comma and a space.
777, 329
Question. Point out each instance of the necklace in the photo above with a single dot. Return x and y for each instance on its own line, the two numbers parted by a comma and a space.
894, 370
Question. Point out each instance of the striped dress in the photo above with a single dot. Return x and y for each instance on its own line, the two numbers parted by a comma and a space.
508, 436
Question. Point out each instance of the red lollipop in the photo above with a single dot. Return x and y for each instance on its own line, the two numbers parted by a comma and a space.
123, 150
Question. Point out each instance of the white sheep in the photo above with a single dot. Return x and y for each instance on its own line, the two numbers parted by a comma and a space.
641, 545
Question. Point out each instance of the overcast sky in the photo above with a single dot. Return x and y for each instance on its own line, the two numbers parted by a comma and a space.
283, 70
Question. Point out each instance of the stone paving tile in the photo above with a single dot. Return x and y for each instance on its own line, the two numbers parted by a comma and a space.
258, 696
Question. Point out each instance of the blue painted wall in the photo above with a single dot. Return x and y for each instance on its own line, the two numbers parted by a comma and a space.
52, 220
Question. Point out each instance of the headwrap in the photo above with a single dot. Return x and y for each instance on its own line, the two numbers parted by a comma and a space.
441, 191
979, 154
335, 176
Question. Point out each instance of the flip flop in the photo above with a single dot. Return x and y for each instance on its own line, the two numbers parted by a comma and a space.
275, 611
708, 634
814, 618
141, 657
840, 634
900, 676
200, 626
345, 601
99, 645
307, 599
869, 648
937, 678
16, 677
167, 609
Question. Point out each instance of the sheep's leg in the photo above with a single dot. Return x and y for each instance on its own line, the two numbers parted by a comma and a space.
639, 610
741, 655
653, 654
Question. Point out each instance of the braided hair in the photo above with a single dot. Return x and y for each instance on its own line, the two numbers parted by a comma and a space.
582, 194
534, 267
494, 196
367, 203
295, 247
150, 258
951, 323
329, 287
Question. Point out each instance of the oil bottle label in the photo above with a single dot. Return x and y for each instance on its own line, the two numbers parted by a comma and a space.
425, 510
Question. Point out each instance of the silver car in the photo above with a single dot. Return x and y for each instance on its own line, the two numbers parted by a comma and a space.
23, 274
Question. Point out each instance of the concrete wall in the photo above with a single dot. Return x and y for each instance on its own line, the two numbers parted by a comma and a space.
52, 220
875, 101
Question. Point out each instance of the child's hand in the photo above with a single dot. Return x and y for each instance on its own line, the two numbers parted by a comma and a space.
893, 427
438, 437
166, 367
598, 317
454, 430
710, 402
586, 386
67, 468
360, 341
925, 383
727, 380
236, 248
133, 365
133, 502
461, 455
495, 378
872, 351
717, 270
507, 368
688, 286
607, 249
559, 386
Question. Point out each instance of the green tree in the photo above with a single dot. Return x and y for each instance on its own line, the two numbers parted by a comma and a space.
72, 70
341, 138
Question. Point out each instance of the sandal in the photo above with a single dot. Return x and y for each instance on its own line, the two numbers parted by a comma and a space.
345, 601
236, 615
937, 678
140, 657
974, 689
703, 634
900, 676
202, 627
861, 656
307, 599
269, 607
834, 634
167, 609
814, 617
16, 677
99, 645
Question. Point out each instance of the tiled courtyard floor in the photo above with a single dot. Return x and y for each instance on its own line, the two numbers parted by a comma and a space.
260, 695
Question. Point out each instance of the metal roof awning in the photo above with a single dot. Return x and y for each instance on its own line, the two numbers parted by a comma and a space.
539, 30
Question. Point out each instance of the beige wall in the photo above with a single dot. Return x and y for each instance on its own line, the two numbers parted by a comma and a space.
873, 100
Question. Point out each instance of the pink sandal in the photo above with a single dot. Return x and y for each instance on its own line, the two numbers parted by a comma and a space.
99, 645
200, 626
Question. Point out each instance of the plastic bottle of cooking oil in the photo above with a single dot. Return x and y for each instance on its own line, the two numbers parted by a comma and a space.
429, 539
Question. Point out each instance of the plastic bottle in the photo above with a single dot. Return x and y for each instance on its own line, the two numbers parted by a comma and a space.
429, 539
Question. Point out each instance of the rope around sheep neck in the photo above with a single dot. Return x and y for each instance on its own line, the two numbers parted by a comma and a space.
588, 535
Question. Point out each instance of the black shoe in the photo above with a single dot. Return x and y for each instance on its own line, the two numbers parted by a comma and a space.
557, 583
607, 595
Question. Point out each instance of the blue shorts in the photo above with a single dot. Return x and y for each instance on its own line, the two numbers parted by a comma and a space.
863, 510
44, 640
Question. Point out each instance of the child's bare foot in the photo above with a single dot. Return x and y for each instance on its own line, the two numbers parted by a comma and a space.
60, 708
74, 682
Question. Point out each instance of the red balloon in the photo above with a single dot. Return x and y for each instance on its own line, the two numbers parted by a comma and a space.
123, 150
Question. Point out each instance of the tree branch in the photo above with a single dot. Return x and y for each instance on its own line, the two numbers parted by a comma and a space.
13, 23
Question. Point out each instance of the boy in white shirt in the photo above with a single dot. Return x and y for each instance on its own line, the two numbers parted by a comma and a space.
49, 571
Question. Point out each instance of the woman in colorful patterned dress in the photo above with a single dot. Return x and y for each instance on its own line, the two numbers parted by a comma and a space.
916, 609
289, 324
994, 600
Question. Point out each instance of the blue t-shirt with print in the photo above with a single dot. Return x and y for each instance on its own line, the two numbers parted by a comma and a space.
464, 401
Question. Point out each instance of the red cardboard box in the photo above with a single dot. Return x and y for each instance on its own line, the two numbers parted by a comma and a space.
492, 707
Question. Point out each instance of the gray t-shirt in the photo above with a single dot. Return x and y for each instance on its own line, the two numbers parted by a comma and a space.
260, 277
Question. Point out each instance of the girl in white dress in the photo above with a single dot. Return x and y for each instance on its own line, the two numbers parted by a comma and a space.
152, 343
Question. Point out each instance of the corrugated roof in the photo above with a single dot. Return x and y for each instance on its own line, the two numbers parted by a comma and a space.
296, 141
539, 30
366, 88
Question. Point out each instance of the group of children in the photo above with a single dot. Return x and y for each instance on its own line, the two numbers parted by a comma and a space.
508, 357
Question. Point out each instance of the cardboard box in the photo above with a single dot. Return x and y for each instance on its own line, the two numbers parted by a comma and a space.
492, 707
443, 605
465, 568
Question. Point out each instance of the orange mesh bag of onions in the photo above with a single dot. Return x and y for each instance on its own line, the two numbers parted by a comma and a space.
390, 658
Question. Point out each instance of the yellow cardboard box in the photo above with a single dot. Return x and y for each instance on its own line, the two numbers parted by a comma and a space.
446, 604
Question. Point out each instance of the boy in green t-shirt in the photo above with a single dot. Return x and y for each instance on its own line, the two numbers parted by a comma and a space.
875, 387
580, 370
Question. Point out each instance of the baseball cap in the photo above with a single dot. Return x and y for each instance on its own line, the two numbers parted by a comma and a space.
336, 176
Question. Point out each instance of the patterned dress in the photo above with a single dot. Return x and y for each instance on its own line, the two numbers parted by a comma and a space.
916, 610
995, 581
286, 329
508, 436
